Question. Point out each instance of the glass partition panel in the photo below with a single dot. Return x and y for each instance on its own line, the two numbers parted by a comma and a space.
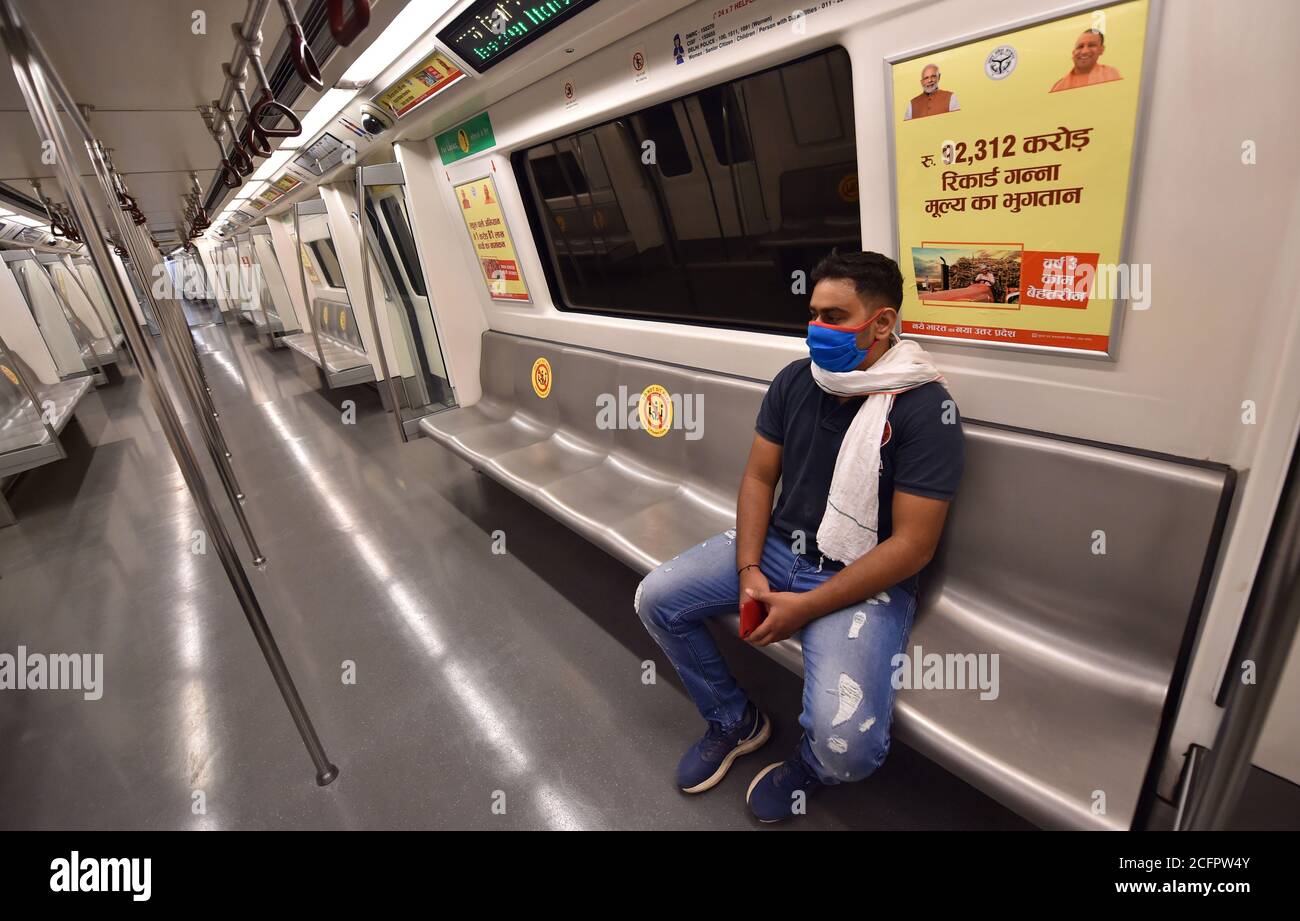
79, 306
334, 322
70, 343
22, 426
403, 300
94, 287
275, 296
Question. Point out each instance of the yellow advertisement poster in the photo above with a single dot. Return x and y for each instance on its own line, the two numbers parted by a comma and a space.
430, 77
481, 207
1012, 158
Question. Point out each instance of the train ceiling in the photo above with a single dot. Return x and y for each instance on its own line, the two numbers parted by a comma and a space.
142, 70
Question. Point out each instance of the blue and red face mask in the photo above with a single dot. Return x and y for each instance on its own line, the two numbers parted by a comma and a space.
835, 348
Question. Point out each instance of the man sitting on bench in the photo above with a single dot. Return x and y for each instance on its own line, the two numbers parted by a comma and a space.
867, 445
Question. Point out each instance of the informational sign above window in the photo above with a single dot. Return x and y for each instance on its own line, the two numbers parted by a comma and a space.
323, 155
488, 234
489, 31
1012, 159
469, 137
430, 77
287, 183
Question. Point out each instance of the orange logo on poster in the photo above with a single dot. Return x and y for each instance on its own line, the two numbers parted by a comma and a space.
462, 140
542, 378
655, 411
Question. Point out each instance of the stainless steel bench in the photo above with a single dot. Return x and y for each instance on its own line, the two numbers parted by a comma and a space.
25, 442
1089, 644
346, 361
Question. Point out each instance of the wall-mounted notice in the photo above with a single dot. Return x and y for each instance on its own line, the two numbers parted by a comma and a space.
430, 77
481, 207
1012, 157
469, 137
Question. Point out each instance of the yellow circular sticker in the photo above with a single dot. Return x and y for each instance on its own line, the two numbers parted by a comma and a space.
848, 188
343, 322
655, 410
13, 378
462, 140
542, 378
324, 316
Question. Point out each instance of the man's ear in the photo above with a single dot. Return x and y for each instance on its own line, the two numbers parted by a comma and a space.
887, 320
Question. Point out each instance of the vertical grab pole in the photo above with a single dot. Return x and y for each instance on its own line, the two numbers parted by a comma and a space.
174, 334
144, 251
370, 303
30, 68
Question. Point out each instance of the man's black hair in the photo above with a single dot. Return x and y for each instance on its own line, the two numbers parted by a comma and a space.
1096, 32
874, 276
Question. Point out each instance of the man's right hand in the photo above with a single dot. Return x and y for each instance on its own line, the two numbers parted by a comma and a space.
752, 578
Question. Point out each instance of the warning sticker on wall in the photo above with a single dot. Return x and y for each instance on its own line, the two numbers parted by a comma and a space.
481, 207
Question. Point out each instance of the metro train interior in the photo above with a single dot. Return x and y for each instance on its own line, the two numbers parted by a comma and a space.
649, 415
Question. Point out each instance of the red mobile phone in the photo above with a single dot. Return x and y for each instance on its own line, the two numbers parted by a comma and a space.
752, 613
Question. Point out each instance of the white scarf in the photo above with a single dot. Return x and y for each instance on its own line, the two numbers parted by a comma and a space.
848, 528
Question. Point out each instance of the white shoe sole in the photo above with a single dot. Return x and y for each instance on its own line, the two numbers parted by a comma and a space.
754, 783
744, 748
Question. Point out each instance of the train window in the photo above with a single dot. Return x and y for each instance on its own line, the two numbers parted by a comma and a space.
328, 262
726, 125
660, 125
559, 175
681, 236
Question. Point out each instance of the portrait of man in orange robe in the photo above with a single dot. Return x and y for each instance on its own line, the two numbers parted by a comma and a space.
1088, 69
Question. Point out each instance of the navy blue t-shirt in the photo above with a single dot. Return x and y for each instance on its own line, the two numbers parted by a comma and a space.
920, 453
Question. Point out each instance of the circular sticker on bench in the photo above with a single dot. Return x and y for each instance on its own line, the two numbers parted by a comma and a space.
655, 410
542, 378
343, 322
13, 378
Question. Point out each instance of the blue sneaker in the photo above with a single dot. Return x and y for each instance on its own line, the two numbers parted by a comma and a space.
708, 760
772, 795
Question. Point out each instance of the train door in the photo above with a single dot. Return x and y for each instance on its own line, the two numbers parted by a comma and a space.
70, 342
335, 346
406, 309
272, 292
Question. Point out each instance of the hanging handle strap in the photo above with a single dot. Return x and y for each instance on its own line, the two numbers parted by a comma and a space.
346, 30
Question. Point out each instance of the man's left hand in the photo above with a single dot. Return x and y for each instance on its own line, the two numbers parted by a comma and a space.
787, 613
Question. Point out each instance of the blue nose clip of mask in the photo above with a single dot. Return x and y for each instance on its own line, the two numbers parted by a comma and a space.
835, 348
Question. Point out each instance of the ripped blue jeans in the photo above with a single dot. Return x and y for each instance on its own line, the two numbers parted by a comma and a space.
848, 697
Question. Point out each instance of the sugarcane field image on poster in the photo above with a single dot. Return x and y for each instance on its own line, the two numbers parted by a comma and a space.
1012, 172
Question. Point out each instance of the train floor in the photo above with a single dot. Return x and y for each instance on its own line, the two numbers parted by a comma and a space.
452, 685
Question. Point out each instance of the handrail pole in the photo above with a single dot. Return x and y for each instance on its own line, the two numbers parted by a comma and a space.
30, 67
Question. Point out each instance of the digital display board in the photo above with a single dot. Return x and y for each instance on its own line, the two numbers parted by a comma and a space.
489, 31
